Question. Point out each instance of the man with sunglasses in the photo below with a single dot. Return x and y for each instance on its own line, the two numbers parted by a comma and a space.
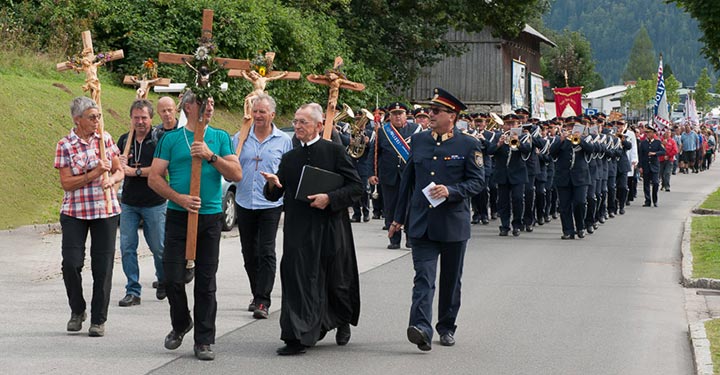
444, 169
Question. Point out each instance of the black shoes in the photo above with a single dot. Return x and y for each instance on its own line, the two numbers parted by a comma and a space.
291, 348
646, 204
601, 219
622, 211
516, 232
385, 227
447, 339
567, 237
485, 221
416, 336
75, 322
251, 306
161, 292
528, 228
475, 219
611, 215
342, 336
261, 312
366, 218
96, 330
581, 234
189, 275
355, 219
655, 204
203, 352
503, 232
393, 246
590, 229
376, 216
129, 300
174, 339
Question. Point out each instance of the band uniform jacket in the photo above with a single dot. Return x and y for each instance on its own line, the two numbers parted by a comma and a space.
455, 162
563, 152
389, 164
650, 163
515, 171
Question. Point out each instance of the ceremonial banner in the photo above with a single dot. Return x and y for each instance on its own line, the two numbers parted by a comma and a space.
661, 117
568, 101
519, 88
691, 116
537, 99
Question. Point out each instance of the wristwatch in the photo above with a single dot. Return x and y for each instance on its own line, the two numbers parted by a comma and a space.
138, 172
212, 159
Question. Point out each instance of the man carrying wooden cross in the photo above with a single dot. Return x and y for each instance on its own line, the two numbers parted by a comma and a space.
173, 156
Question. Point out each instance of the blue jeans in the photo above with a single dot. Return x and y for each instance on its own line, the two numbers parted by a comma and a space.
154, 230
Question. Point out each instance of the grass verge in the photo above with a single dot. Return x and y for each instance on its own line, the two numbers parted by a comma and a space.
712, 328
705, 246
712, 202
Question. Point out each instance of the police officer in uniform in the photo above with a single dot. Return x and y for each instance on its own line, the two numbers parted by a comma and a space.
453, 162
649, 150
390, 162
510, 175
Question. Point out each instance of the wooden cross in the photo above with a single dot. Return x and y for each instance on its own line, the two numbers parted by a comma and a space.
144, 84
199, 124
257, 161
259, 81
88, 62
336, 82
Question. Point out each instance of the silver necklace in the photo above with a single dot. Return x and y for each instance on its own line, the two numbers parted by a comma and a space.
186, 139
136, 154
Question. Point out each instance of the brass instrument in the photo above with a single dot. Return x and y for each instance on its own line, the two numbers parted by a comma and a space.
494, 121
357, 145
575, 139
346, 112
620, 135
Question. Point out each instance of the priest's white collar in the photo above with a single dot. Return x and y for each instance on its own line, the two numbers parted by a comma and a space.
317, 138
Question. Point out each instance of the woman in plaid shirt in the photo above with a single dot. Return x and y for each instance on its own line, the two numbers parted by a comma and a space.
77, 157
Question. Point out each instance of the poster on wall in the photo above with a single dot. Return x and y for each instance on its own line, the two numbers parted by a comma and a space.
537, 99
519, 87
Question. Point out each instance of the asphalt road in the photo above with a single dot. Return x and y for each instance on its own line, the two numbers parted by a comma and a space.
608, 304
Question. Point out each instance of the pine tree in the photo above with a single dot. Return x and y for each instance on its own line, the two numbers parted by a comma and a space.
642, 62
702, 90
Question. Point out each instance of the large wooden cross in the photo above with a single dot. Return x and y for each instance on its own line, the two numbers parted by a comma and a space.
88, 62
199, 124
336, 82
259, 81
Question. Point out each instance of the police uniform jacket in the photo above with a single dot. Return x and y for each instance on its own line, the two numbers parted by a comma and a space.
390, 166
515, 171
455, 162
650, 163
563, 152
623, 164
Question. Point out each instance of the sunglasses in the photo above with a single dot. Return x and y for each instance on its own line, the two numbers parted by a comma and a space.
436, 110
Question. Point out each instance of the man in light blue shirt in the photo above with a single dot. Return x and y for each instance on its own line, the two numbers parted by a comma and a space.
258, 218
689, 142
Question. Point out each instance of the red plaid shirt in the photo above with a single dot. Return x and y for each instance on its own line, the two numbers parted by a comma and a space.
87, 202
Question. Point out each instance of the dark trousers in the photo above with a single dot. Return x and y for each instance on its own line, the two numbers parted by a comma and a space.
622, 190
206, 265
361, 208
651, 182
552, 202
540, 200
573, 203
612, 194
258, 229
632, 187
510, 195
480, 204
591, 203
377, 203
529, 206
425, 255
493, 190
102, 254
390, 195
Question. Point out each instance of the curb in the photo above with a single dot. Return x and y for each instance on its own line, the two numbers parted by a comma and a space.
701, 348
687, 263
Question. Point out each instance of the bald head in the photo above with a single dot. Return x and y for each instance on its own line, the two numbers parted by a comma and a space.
166, 109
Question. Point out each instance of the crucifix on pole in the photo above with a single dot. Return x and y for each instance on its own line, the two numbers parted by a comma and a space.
259, 76
144, 83
336, 80
88, 62
204, 65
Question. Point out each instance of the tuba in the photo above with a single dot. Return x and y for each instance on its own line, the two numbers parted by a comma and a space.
346, 112
357, 145
494, 121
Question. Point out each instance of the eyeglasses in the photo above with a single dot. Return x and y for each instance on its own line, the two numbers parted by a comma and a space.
436, 110
297, 122
94, 117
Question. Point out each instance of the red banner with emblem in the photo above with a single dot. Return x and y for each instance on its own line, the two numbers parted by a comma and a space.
568, 97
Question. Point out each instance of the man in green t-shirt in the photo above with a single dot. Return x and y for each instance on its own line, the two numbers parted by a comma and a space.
173, 157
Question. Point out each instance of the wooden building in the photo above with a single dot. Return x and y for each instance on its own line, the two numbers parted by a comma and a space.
482, 77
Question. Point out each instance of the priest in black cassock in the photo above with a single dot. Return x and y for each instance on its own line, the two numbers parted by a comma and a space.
319, 274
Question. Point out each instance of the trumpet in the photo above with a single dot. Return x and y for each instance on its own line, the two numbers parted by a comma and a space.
575, 139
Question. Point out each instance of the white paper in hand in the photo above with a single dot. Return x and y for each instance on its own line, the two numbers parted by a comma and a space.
433, 202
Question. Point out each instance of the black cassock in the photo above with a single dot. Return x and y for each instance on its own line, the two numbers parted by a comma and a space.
319, 274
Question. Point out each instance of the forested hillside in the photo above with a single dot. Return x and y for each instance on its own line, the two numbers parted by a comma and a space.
611, 25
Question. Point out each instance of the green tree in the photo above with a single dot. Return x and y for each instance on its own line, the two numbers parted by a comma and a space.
671, 87
638, 96
707, 13
642, 62
702, 91
574, 55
